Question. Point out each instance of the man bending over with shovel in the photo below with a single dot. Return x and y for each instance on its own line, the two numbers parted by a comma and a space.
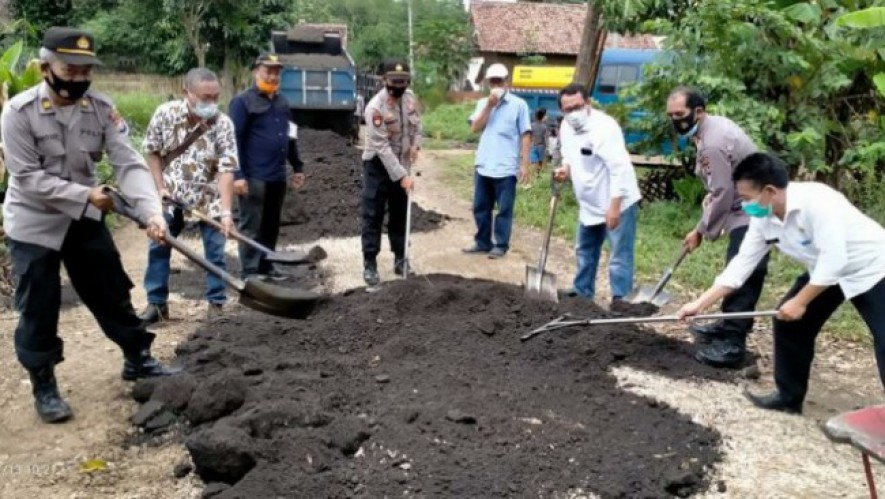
842, 250
721, 145
191, 148
596, 158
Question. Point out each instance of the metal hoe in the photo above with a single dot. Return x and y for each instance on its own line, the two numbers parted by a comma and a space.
656, 295
282, 257
257, 295
540, 284
561, 321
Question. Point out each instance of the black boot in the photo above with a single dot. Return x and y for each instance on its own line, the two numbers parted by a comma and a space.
399, 264
370, 273
774, 402
706, 333
49, 404
145, 366
728, 351
153, 314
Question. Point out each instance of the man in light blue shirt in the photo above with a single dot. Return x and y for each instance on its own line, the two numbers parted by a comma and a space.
502, 158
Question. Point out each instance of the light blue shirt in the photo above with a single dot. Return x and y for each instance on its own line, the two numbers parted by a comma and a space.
499, 145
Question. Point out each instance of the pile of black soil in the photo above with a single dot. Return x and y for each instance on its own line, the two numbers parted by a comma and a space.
423, 389
329, 203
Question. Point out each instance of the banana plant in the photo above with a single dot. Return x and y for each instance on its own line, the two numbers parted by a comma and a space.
12, 82
867, 19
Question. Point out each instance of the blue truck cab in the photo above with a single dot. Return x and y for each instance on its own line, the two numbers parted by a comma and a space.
618, 68
318, 78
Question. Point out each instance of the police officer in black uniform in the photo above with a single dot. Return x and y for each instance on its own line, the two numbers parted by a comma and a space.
393, 138
54, 134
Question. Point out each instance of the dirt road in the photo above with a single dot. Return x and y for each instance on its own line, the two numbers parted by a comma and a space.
765, 455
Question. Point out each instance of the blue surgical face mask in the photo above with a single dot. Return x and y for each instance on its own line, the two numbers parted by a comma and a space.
691, 132
755, 209
206, 110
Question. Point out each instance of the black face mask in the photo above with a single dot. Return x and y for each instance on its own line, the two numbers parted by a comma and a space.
684, 125
67, 89
396, 92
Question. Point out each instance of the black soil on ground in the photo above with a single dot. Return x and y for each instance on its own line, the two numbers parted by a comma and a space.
424, 389
329, 203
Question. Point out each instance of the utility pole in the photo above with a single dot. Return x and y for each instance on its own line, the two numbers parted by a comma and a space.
411, 44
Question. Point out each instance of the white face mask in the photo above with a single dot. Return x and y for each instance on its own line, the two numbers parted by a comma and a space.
206, 110
499, 92
578, 120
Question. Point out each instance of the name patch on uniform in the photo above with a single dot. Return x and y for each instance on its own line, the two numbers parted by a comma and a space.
91, 133
51, 136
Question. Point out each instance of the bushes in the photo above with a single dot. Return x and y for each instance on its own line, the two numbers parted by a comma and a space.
448, 122
137, 109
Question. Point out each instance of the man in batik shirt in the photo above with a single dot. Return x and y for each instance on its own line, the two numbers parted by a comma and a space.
199, 175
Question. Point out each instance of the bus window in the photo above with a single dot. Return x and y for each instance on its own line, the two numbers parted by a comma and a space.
614, 76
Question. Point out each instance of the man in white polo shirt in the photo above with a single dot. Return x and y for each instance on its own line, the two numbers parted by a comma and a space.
596, 158
843, 249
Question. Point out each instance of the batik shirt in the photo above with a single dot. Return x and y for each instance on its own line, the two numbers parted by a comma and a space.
193, 176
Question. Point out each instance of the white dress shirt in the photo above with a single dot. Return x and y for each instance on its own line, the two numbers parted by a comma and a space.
605, 172
824, 231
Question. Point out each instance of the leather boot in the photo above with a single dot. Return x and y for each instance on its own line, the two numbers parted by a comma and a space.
774, 402
48, 402
153, 314
706, 333
399, 264
145, 366
728, 351
370, 273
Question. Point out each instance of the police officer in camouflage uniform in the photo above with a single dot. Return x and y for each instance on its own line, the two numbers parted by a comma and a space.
393, 139
54, 135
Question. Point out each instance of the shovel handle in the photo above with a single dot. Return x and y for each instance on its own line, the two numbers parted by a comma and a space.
669, 272
554, 201
214, 223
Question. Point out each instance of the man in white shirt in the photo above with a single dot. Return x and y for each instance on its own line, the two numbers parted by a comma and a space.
842, 249
595, 157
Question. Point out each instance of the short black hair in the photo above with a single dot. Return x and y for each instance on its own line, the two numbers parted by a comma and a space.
762, 168
572, 89
540, 113
693, 97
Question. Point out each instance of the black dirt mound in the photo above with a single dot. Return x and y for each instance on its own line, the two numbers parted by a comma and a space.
423, 389
329, 203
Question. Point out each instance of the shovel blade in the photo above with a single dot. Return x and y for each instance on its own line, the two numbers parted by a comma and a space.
315, 254
645, 294
661, 299
540, 285
277, 300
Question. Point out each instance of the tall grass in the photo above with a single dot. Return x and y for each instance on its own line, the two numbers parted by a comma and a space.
447, 125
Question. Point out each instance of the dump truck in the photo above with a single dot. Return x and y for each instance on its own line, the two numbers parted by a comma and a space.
318, 76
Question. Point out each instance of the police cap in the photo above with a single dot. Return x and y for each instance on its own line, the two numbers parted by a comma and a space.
71, 45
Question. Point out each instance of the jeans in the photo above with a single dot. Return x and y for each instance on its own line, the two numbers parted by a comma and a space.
260, 213
380, 194
620, 265
98, 276
794, 340
156, 277
487, 193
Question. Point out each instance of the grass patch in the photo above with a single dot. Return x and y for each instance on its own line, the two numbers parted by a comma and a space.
661, 228
137, 109
448, 122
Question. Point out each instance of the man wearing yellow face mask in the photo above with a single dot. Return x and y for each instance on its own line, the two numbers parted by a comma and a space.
261, 121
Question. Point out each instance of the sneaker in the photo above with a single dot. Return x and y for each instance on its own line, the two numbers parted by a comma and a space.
497, 253
214, 311
399, 264
153, 314
474, 250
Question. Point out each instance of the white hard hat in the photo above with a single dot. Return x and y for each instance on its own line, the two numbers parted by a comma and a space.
497, 71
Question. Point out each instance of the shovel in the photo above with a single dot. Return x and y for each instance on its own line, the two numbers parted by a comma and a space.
257, 295
540, 284
656, 295
561, 321
406, 266
282, 257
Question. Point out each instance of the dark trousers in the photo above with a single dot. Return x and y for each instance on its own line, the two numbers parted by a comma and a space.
260, 213
744, 298
487, 192
97, 274
794, 340
379, 192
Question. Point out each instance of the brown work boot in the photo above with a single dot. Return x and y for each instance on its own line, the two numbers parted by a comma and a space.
214, 311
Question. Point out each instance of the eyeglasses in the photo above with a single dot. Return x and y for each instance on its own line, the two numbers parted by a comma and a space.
496, 81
